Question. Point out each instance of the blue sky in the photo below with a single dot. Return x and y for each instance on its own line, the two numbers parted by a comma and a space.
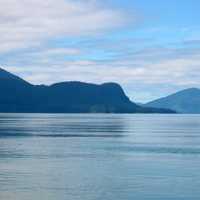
150, 47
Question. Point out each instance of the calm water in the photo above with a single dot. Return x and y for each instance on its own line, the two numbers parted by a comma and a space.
99, 157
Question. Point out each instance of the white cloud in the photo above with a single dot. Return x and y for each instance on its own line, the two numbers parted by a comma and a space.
179, 71
25, 23
149, 72
30, 23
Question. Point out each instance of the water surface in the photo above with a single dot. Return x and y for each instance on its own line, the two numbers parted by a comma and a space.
99, 157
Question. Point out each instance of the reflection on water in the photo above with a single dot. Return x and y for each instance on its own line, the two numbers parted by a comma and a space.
61, 126
95, 157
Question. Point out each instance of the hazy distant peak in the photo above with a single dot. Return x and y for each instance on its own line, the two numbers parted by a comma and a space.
191, 90
184, 101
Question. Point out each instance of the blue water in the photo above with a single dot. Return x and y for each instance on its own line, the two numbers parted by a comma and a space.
99, 157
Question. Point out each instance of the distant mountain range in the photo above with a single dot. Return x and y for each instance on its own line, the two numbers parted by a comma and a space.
185, 101
17, 95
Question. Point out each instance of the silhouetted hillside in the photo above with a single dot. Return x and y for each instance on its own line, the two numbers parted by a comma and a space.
66, 97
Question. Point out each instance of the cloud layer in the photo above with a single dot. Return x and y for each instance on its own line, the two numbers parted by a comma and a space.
25, 23
86, 40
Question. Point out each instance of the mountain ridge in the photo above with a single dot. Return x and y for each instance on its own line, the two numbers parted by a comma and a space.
184, 101
66, 97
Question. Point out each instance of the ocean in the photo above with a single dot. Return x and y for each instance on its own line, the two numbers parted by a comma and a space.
99, 157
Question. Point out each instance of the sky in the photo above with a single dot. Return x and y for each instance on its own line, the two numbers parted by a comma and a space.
150, 47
